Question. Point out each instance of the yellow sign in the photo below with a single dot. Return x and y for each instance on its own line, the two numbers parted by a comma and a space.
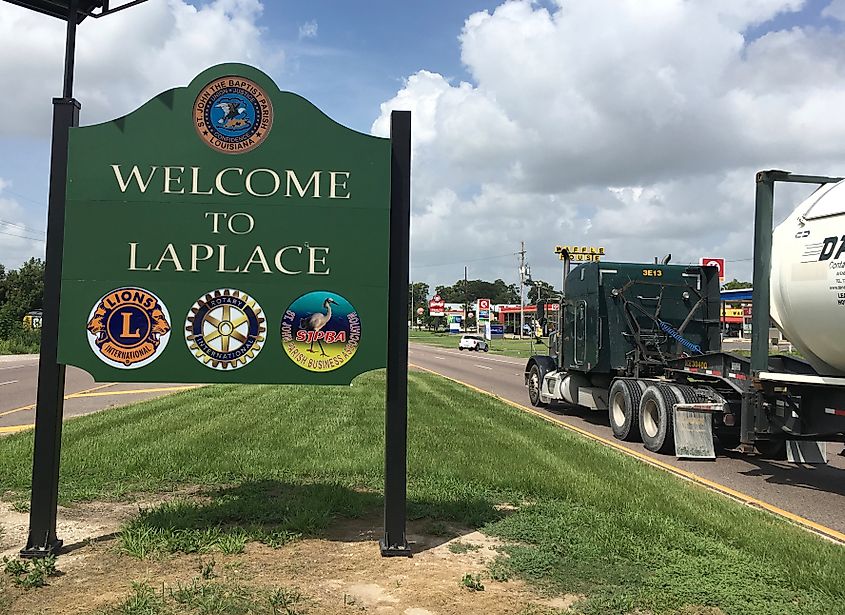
733, 312
580, 253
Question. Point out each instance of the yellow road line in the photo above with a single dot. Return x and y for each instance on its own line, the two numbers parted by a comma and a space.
15, 428
134, 391
91, 393
732, 493
68, 396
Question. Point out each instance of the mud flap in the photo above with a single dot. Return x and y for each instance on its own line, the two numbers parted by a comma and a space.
694, 430
806, 451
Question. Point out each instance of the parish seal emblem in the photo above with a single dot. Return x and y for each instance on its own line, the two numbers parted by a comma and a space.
233, 115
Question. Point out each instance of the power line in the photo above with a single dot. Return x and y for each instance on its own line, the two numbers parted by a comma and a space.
24, 237
26, 228
23, 196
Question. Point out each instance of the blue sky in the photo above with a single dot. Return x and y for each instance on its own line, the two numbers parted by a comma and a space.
615, 117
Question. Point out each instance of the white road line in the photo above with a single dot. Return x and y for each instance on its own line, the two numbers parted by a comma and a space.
9, 382
483, 366
14, 367
483, 358
441, 358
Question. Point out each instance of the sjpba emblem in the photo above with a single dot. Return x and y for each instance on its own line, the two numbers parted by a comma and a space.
233, 115
321, 331
225, 329
128, 328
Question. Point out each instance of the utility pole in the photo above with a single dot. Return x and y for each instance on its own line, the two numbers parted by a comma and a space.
466, 299
521, 287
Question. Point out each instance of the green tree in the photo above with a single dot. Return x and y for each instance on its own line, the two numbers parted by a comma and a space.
418, 297
736, 285
21, 291
497, 292
541, 288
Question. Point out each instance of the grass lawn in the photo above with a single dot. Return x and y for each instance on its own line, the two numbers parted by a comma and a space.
276, 463
507, 347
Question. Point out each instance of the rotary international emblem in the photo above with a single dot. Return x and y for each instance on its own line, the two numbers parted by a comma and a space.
225, 329
233, 115
128, 328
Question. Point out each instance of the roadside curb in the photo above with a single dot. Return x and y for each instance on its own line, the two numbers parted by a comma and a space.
8, 358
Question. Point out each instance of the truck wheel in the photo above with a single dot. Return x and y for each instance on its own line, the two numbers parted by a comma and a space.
656, 427
535, 381
624, 409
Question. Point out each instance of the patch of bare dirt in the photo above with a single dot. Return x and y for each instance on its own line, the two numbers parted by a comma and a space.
341, 573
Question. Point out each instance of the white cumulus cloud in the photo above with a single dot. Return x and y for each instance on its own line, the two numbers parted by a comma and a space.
122, 60
634, 125
308, 29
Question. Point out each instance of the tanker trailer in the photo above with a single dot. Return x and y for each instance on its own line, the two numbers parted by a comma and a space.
808, 279
641, 341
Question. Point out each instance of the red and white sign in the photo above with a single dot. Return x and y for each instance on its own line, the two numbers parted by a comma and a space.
437, 307
420, 311
719, 263
484, 304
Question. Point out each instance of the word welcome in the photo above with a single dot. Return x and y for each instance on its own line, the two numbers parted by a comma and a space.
232, 182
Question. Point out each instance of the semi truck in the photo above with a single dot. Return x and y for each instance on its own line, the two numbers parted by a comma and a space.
642, 341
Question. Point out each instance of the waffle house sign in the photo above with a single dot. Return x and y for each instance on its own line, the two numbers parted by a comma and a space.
580, 253
225, 232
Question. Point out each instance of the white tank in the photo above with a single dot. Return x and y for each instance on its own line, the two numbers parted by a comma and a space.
808, 279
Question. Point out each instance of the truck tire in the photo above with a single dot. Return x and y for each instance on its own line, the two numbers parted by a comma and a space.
535, 381
656, 425
623, 409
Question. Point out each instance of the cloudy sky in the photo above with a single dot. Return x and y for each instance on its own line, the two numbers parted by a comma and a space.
637, 125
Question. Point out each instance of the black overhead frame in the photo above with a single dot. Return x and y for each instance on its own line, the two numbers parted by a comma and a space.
42, 540
85, 8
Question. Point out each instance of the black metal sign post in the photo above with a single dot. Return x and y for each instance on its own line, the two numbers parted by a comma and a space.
42, 540
394, 541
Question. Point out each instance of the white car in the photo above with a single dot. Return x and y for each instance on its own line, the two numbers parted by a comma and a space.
473, 342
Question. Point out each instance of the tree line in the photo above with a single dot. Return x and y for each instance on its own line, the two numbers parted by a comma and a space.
21, 291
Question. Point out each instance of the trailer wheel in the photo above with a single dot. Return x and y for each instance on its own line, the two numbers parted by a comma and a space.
623, 409
656, 427
535, 381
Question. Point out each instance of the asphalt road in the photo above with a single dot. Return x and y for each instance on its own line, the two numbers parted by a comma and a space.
19, 382
816, 493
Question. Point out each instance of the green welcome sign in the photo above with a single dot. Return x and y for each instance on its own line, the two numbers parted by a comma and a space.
226, 232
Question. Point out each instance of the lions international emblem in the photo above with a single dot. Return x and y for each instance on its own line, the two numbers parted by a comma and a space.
225, 329
128, 328
233, 115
